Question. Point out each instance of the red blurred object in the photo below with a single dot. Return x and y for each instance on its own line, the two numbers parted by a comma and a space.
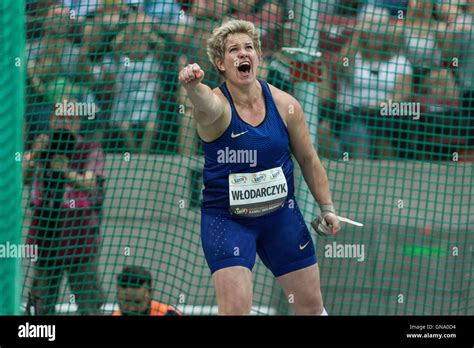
309, 72
466, 155
427, 230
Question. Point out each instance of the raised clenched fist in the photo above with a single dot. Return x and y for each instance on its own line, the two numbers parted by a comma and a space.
191, 75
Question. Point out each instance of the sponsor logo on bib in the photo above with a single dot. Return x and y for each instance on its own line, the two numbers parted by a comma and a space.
239, 180
259, 178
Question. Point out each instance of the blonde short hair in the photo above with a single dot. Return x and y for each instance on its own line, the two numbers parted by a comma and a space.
216, 43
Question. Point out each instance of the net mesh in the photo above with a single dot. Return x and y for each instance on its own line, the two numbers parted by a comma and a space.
11, 111
387, 90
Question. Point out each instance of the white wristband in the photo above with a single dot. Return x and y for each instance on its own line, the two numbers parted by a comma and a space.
327, 208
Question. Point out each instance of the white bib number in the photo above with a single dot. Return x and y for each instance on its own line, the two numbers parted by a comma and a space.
257, 194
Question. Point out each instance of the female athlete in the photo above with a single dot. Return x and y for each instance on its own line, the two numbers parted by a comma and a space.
249, 130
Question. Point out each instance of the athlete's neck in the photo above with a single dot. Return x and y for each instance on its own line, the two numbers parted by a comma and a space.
245, 96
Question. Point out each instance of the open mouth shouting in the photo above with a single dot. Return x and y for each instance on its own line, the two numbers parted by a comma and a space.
244, 69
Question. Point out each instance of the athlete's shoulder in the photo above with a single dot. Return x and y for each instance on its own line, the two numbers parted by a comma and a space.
217, 91
282, 97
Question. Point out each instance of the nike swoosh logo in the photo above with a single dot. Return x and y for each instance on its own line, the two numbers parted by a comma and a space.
304, 246
232, 135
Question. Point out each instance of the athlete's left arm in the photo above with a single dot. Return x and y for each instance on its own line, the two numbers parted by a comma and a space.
307, 157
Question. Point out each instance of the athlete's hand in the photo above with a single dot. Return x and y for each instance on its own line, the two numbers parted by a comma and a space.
191, 75
333, 222
327, 223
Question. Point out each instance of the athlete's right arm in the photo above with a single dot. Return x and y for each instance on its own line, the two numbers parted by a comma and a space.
208, 107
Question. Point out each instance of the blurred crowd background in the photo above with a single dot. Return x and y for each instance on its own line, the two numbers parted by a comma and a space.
124, 56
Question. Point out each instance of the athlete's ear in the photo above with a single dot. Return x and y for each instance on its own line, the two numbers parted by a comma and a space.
220, 65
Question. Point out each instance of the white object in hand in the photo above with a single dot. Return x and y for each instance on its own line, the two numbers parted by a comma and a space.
349, 221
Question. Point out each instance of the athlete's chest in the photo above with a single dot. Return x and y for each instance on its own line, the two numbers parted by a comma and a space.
265, 144
253, 116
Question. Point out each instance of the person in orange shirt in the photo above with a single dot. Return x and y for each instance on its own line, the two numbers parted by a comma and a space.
135, 294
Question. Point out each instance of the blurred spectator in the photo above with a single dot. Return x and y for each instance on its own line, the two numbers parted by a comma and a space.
451, 24
469, 7
101, 24
422, 48
137, 72
207, 9
53, 71
459, 54
340, 7
372, 71
448, 10
36, 12
164, 18
266, 14
47, 80
66, 174
135, 293
178, 27
465, 73
81, 8
169, 18
396, 7
427, 39
440, 92
442, 128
